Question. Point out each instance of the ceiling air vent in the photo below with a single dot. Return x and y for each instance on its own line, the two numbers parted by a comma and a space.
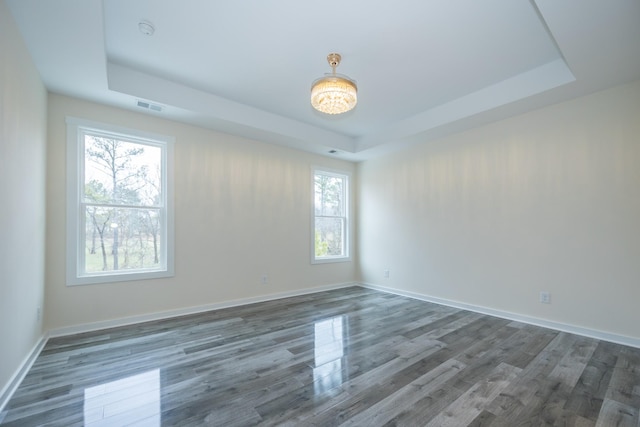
149, 106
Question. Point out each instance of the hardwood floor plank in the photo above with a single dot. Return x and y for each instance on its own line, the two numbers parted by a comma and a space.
617, 414
406, 397
527, 394
588, 394
467, 407
483, 419
426, 408
570, 367
626, 378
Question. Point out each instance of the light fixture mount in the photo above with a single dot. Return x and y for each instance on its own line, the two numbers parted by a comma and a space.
334, 60
334, 93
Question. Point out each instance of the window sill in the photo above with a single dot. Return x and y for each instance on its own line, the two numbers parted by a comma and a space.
118, 277
330, 260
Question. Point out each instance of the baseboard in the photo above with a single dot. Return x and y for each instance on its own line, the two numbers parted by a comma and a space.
578, 330
95, 326
12, 385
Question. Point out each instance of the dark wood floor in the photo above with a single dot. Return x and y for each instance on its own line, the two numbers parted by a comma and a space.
346, 357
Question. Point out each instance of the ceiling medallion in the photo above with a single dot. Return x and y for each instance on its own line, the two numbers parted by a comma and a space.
334, 93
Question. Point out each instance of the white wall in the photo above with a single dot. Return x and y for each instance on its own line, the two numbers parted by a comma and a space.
23, 101
549, 200
242, 209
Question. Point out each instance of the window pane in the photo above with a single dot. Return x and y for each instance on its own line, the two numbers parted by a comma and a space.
121, 239
329, 195
329, 237
121, 172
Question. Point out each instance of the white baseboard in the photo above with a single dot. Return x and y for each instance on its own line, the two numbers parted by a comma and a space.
12, 385
578, 330
89, 327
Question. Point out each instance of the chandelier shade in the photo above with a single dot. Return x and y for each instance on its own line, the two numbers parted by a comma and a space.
334, 93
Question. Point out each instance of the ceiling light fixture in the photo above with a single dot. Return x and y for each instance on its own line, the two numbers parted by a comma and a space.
334, 93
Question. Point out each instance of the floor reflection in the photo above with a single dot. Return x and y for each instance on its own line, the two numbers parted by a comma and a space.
135, 399
330, 341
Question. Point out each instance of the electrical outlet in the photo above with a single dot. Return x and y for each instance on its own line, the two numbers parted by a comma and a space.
265, 279
38, 313
386, 273
545, 297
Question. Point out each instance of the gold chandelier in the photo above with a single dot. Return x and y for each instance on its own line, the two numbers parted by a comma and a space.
334, 93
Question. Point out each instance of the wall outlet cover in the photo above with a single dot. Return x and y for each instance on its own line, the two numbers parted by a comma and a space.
545, 297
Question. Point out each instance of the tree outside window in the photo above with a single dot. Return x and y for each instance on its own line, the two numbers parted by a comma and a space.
122, 203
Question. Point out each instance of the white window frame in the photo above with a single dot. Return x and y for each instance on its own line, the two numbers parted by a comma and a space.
76, 130
347, 228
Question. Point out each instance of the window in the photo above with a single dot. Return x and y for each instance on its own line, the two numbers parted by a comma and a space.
119, 204
330, 220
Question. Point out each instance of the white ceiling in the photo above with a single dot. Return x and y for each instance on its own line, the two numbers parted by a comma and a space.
424, 68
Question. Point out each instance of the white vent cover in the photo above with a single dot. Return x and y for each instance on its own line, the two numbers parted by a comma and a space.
149, 106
